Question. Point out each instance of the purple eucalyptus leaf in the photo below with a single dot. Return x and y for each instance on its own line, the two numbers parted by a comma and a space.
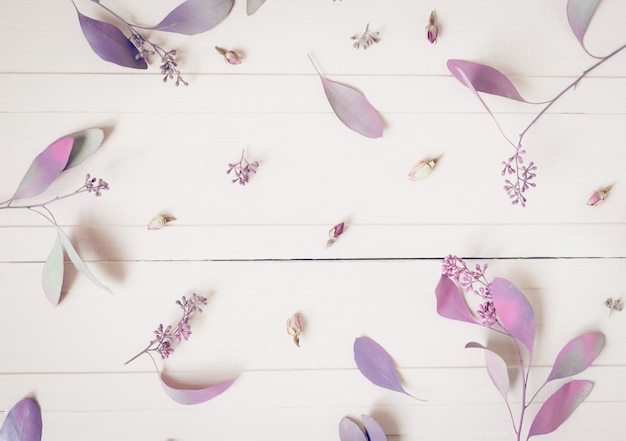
353, 109
45, 168
190, 395
484, 79
579, 13
558, 408
350, 431
253, 6
52, 276
451, 303
496, 368
76, 260
195, 16
109, 43
86, 142
577, 355
23, 422
376, 364
373, 429
514, 312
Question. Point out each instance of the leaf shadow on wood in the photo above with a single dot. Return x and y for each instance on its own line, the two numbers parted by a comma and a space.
102, 246
387, 421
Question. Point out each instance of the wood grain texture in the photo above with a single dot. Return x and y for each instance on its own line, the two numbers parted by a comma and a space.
257, 252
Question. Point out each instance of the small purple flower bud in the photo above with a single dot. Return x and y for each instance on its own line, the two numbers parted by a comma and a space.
334, 233
294, 328
432, 31
231, 57
598, 197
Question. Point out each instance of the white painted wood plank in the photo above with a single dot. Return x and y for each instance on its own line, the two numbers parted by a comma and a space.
260, 242
243, 325
302, 179
288, 93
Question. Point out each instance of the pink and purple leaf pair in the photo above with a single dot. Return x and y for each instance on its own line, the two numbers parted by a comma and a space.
61, 155
514, 312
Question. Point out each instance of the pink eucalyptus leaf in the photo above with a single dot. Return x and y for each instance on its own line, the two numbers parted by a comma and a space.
353, 109
579, 13
558, 408
376, 364
450, 301
577, 355
23, 422
253, 6
350, 431
45, 168
109, 43
373, 429
190, 395
86, 142
514, 312
195, 16
76, 260
484, 78
496, 368
52, 276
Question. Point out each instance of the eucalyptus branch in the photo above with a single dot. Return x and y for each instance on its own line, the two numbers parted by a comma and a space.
91, 185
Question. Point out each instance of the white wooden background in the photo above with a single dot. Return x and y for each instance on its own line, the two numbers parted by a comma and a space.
258, 252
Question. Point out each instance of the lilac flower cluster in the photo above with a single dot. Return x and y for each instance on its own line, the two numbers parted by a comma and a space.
242, 169
473, 281
524, 174
92, 187
162, 344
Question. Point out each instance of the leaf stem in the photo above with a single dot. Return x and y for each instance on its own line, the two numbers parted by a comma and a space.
570, 86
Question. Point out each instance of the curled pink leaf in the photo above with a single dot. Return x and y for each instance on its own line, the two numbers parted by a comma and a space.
195, 16
376, 364
451, 303
45, 168
514, 312
558, 408
52, 276
579, 14
484, 78
190, 395
109, 43
23, 422
350, 431
496, 368
577, 355
253, 5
